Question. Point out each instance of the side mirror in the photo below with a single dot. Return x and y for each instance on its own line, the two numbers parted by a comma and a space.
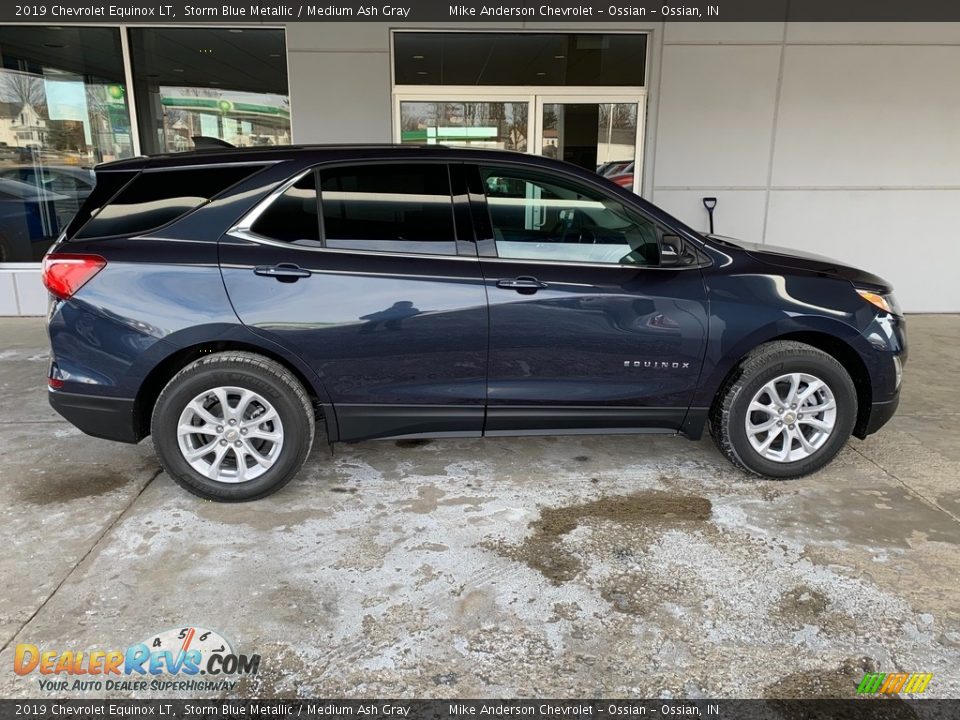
671, 251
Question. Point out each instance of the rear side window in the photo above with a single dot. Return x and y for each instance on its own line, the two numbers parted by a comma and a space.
389, 208
293, 216
157, 198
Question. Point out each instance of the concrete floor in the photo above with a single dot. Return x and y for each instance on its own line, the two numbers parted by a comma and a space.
585, 566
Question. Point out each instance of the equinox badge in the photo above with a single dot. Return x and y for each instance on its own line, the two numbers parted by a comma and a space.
656, 364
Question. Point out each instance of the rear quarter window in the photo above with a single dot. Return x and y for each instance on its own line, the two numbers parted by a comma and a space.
107, 185
156, 198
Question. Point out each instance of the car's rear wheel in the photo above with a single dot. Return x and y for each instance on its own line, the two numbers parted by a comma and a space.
233, 426
786, 410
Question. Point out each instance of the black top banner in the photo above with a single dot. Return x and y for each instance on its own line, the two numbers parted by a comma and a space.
578, 12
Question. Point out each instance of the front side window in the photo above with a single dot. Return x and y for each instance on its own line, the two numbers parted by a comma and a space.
389, 208
536, 216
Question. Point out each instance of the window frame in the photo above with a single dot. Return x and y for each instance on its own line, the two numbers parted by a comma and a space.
460, 217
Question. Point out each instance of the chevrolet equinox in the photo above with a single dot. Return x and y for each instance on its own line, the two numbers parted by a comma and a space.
225, 300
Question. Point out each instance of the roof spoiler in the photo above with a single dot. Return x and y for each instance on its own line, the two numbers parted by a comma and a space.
205, 142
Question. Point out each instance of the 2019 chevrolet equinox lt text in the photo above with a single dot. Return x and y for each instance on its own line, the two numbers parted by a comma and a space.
223, 300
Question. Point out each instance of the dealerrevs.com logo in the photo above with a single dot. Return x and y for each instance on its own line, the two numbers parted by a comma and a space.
169, 661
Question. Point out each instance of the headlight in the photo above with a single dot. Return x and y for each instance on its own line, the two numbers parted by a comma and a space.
885, 302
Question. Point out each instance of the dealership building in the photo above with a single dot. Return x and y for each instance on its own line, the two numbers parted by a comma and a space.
841, 139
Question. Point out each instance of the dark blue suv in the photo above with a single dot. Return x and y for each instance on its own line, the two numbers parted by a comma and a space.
225, 300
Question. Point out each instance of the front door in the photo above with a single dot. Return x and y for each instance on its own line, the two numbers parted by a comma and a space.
375, 289
587, 330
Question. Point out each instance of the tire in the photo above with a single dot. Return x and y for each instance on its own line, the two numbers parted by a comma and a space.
746, 404
264, 401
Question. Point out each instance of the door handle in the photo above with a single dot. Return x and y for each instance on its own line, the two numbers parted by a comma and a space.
521, 284
284, 272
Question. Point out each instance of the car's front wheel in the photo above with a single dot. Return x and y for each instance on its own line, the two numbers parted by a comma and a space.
233, 426
786, 410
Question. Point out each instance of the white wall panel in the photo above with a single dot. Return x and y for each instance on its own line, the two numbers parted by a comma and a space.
739, 213
31, 293
905, 236
349, 36
873, 32
716, 115
8, 294
340, 97
729, 33
869, 116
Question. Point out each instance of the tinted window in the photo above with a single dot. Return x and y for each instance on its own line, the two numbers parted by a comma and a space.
537, 216
156, 198
292, 217
107, 185
393, 208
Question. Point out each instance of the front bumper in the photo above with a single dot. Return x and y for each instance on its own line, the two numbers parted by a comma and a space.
880, 414
102, 417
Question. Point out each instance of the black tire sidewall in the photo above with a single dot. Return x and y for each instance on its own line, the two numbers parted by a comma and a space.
844, 393
296, 440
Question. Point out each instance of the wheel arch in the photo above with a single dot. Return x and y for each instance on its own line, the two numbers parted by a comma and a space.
834, 346
163, 372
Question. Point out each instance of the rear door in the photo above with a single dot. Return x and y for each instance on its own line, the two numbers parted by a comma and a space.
369, 271
588, 332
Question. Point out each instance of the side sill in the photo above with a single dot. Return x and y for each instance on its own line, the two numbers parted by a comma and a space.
367, 422
580, 420
582, 431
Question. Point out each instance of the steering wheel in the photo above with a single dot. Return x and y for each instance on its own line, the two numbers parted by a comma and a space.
562, 229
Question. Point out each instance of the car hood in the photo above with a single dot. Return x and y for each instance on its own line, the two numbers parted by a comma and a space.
801, 260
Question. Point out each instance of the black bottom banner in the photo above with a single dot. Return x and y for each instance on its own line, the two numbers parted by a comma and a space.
872, 708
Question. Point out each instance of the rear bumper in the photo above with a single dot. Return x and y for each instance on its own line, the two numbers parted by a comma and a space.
103, 417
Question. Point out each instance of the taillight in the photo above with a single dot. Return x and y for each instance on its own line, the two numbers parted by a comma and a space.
65, 273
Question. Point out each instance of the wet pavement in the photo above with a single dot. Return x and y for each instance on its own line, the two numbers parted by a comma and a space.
561, 566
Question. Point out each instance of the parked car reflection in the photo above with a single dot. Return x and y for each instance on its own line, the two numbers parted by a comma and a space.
31, 217
73, 182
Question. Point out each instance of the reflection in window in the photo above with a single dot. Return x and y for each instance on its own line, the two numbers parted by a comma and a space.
229, 84
392, 208
498, 125
63, 109
157, 198
541, 217
600, 137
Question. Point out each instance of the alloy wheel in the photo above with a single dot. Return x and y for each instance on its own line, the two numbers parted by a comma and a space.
791, 417
230, 434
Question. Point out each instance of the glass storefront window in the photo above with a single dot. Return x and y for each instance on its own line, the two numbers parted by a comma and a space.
499, 125
63, 108
538, 59
225, 84
595, 136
